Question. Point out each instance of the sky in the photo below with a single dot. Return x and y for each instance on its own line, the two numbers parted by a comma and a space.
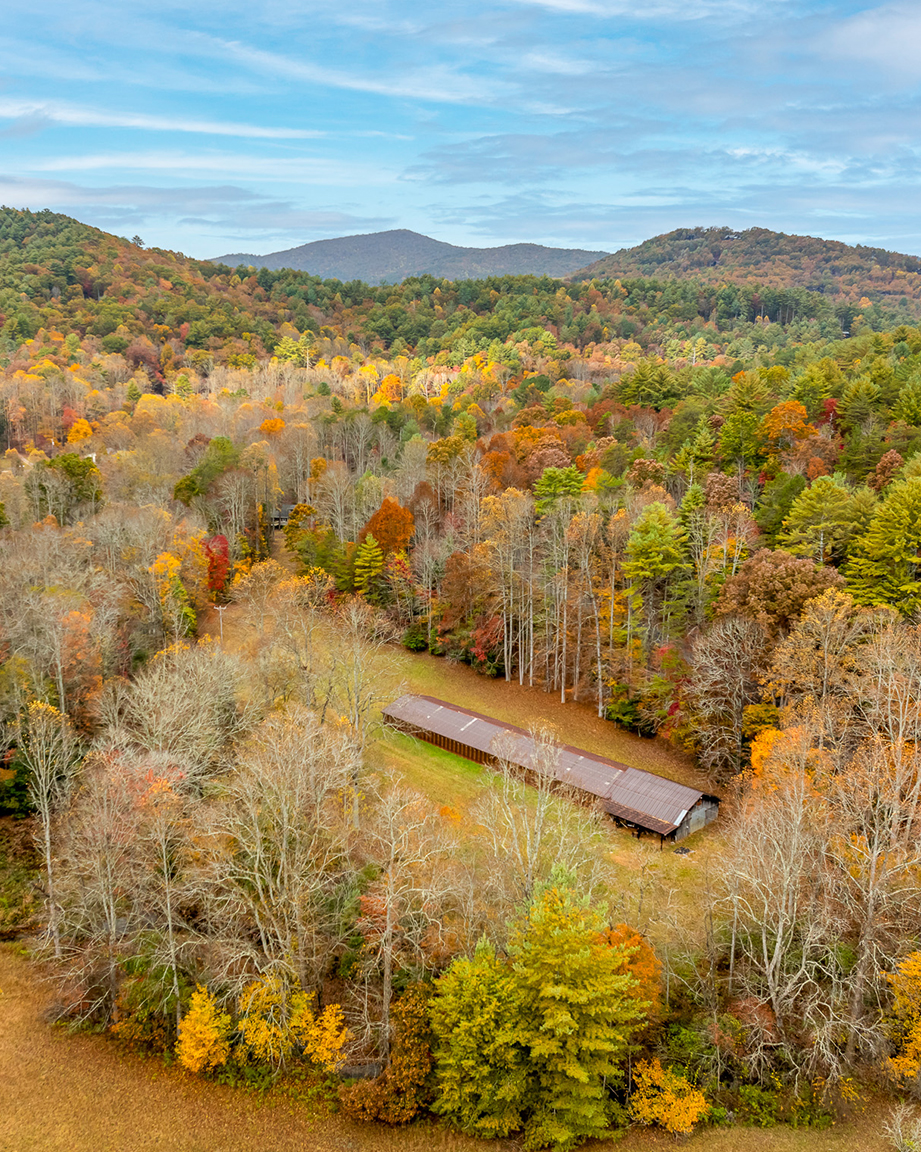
257, 125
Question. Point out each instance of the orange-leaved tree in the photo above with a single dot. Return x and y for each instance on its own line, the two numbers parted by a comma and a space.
392, 526
665, 1097
640, 962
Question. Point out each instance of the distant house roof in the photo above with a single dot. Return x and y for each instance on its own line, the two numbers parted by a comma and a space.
627, 793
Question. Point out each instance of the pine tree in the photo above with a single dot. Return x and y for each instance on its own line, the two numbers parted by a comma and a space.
885, 568
776, 501
369, 563
858, 403
908, 405
651, 385
577, 1017
821, 521
656, 562
557, 484
480, 1064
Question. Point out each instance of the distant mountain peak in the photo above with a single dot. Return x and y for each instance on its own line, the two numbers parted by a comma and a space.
391, 256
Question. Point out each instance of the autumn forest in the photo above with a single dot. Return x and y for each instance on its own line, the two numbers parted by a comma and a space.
242, 509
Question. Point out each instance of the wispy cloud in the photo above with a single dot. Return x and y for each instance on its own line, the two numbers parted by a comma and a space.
280, 169
436, 84
75, 115
246, 125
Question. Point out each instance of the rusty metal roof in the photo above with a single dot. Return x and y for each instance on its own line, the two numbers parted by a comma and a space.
627, 793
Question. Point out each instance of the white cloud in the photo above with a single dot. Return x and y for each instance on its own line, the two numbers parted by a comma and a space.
889, 37
74, 115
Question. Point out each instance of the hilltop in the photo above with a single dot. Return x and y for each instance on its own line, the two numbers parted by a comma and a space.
159, 309
388, 257
724, 255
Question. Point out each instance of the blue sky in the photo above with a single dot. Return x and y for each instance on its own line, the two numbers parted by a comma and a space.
253, 126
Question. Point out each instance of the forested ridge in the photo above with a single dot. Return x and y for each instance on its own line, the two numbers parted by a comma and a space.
703, 518
718, 255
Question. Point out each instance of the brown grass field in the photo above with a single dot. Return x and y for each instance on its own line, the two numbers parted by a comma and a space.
61, 1092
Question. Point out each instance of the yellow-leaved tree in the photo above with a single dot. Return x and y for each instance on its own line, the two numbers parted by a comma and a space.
664, 1097
203, 1034
275, 1021
906, 993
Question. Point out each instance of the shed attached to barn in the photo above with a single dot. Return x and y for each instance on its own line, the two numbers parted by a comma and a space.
629, 795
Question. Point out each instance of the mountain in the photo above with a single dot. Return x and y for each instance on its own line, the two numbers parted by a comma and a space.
724, 255
389, 257
63, 282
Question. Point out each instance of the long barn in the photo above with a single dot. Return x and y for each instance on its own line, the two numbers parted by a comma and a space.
629, 795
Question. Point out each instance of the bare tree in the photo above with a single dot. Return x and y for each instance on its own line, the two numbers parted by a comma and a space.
277, 878
300, 624
186, 703
256, 589
50, 752
532, 824
775, 886
364, 669
412, 846
102, 885
726, 666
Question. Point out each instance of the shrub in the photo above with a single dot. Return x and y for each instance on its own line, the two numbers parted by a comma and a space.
203, 1034
399, 1093
903, 1129
664, 1097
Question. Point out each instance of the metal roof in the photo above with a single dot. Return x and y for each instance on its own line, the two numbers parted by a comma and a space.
627, 793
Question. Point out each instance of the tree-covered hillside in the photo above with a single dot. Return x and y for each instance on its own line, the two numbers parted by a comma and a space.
724, 255
156, 307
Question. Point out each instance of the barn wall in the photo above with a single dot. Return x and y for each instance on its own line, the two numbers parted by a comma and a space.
704, 812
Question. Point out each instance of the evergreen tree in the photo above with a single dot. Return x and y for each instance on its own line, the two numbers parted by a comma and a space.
480, 1064
821, 522
656, 562
859, 403
651, 385
369, 563
577, 1017
776, 501
811, 389
885, 568
692, 511
908, 405
556, 484
740, 440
